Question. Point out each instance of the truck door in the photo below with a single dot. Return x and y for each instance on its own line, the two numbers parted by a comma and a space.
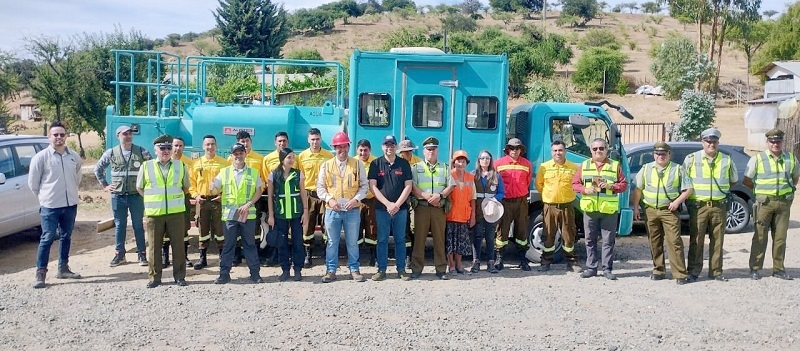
428, 105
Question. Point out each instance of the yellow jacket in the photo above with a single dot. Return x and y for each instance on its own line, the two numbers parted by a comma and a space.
203, 172
554, 182
309, 164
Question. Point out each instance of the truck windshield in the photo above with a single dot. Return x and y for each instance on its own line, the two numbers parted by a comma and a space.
578, 139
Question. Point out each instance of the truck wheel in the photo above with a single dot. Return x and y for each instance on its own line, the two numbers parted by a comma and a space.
536, 241
738, 215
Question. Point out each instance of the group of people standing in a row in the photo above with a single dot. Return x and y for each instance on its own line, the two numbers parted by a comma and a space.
370, 198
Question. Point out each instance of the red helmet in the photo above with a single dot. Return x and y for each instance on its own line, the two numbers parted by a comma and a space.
340, 138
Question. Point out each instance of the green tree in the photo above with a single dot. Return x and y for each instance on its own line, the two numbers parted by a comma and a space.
343, 9
546, 90
56, 73
749, 36
313, 20
470, 7
9, 79
678, 65
304, 54
782, 43
651, 7
585, 9
391, 5
251, 28
459, 23
598, 70
697, 114
598, 38
173, 39
502, 5
631, 6
770, 13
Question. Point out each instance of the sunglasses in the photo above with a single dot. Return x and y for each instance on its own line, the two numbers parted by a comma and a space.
512, 148
599, 148
711, 141
58, 135
661, 154
165, 147
774, 141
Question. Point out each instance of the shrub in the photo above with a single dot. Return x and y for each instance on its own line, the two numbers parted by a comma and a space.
632, 45
547, 90
697, 114
598, 38
459, 23
303, 54
622, 86
596, 67
567, 20
677, 65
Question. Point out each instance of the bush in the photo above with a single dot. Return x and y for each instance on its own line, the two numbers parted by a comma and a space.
677, 66
622, 86
596, 66
303, 54
595, 38
547, 90
632, 45
459, 23
567, 20
697, 114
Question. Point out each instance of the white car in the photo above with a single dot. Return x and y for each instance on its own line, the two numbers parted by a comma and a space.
21, 210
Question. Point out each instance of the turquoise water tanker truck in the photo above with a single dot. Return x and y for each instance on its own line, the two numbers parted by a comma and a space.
412, 93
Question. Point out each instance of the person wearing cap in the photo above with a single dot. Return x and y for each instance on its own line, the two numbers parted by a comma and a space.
405, 149
554, 183
163, 183
125, 161
713, 174
178, 145
661, 187
367, 234
461, 216
342, 184
287, 208
773, 176
253, 160
54, 176
239, 187
599, 180
208, 207
516, 172
489, 193
432, 184
310, 161
390, 181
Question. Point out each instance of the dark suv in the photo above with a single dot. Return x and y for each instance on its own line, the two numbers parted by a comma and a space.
640, 154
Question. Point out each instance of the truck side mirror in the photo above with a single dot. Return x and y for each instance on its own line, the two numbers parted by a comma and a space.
578, 120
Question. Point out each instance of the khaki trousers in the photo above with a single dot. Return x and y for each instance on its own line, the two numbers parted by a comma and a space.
428, 219
316, 216
211, 224
771, 216
663, 225
514, 210
368, 231
173, 226
559, 216
704, 219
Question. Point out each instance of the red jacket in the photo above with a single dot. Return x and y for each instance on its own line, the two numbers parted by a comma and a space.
516, 175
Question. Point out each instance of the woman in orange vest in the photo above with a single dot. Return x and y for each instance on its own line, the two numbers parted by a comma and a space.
462, 213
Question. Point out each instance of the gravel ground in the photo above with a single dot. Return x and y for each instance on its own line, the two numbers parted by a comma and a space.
514, 310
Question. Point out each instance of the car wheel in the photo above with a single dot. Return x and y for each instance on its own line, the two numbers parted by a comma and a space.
536, 242
738, 215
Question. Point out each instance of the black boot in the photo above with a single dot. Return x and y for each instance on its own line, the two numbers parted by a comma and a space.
373, 255
203, 262
272, 257
165, 255
498, 263
307, 263
186, 254
237, 256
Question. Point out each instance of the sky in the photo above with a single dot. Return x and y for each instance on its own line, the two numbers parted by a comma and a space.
154, 18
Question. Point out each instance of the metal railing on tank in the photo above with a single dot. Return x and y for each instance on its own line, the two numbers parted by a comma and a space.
153, 81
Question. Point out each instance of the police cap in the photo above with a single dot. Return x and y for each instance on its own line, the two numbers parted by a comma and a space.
710, 134
430, 142
775, 135
163, 140
662, 146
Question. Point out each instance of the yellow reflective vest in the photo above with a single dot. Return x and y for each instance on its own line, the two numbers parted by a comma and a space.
710, 180
774, 175
234, 194
163, 196
660, 188
603, 201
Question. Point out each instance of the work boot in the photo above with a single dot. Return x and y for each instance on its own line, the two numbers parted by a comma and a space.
142, 258
307, 263
298, 275
284, 276
476, 267
491, 268
237, 256
40, 276
65, 273
223, 279
202, 263
373, 255
272, 259
523, 264
165, 255
119, 258
186, 253
499, 262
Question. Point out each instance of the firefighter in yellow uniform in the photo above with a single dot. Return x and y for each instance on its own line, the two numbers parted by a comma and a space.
368, 232
178, 145
310, 161
253, 160
713, 173
662, 186
773, 176
162, 183
204, 170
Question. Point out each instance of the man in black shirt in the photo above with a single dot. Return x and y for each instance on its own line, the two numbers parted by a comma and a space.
390, 180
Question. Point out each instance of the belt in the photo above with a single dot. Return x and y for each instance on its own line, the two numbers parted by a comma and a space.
515, 198
710, 203
126, 194
657, 208
312, 193
208, 197
564, 205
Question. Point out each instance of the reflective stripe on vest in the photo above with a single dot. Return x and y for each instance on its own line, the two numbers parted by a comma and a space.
287, 195
484, 191
773, 175
342, 185
163, 196
604, 201
657, 191
235, 195
708, 184
124, 172
433, 180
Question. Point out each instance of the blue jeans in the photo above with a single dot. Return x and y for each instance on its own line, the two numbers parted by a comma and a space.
334, 222
397, 225
121, 205
298, 251
483, 230
247, 231
53, 219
